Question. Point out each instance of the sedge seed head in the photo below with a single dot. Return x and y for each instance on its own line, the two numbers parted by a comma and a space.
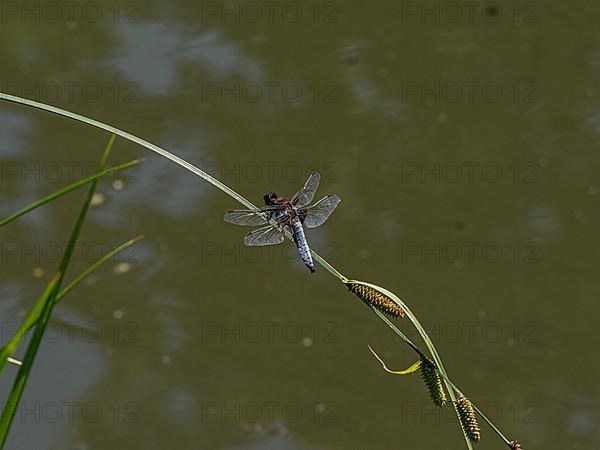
376, 299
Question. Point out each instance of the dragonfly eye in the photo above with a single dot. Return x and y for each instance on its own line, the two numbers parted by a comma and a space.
270, 198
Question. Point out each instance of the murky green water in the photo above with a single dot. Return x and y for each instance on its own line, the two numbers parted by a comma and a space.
463, 141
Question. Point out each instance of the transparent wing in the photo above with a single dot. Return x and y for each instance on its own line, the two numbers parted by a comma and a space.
247, 217
317, 214
305, 195
264, 236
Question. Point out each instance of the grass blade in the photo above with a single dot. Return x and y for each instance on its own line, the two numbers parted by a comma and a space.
130, 137
67, 189
15, 394
92, 268
32, 318
428, 343
250, 205
49, 298
9, 348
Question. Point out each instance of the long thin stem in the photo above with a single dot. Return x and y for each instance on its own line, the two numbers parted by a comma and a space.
444, 375
66, 190
248, 204
130, 137
155, 148
34, 314
48, 303
426, 339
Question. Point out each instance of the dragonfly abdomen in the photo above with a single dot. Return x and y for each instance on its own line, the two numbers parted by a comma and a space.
302, 244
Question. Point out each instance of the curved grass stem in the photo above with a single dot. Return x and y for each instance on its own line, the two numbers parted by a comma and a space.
183, 163
66, 190
452, 388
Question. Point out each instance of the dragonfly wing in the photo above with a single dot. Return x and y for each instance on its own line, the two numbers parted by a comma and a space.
248, 217
305, 195
317, 214
264, 236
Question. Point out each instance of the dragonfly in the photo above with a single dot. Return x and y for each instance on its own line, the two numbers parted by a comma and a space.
293, 215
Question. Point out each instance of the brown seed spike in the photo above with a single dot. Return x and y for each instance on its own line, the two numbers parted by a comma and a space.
433, 381
514, 445
376, 299
468, 421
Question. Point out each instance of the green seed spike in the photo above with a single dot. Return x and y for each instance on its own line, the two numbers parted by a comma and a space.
432, 380
376, 299
468, 421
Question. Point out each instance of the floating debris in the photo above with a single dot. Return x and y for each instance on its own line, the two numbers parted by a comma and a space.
122, 268
98, 199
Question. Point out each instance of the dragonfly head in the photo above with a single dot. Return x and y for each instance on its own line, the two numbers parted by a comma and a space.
270, 198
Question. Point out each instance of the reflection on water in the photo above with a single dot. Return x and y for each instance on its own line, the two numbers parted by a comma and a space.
69, 364
152, 54
13, 135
